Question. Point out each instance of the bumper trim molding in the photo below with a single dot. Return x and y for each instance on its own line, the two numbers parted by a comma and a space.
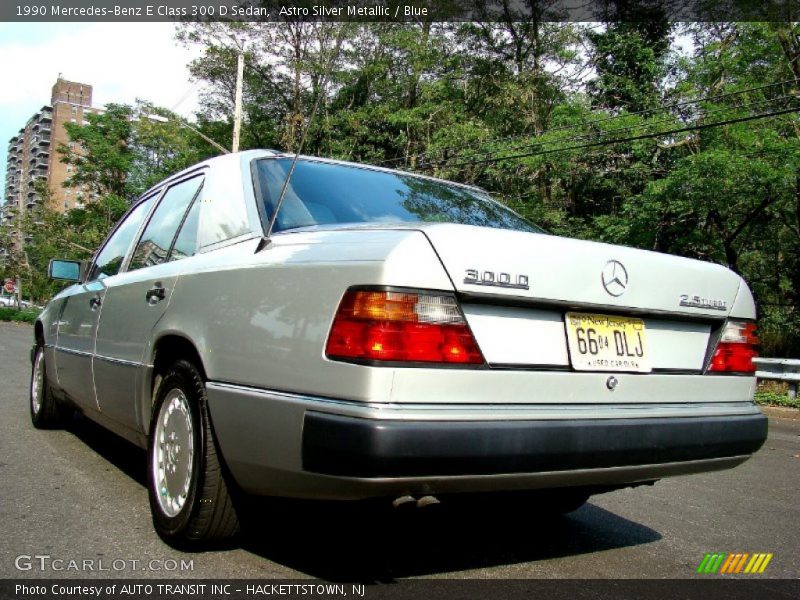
368, 448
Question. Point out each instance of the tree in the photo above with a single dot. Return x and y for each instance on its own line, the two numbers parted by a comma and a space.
284, 71
730, 194
116, 156
629, 55
101, 151
123, 150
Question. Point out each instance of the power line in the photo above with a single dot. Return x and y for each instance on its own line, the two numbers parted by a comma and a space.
588, 135
630, 139
782, 151
594, 122
762, 151
185, 96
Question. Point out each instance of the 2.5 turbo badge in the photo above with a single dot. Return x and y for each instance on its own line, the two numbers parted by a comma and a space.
700, 302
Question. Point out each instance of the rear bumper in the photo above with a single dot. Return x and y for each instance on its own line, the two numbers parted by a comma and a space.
287, 444
367, 448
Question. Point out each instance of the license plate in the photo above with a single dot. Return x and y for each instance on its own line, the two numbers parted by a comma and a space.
607, 343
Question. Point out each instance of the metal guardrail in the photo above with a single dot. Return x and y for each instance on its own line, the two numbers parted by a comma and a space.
779, 369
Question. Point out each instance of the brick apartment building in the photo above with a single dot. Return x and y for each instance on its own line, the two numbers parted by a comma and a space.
33, 154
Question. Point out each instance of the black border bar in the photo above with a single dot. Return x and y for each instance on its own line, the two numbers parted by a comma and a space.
711, 587
398, 10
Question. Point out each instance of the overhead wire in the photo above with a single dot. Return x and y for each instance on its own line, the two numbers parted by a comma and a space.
593, 121
589, 135
651, 135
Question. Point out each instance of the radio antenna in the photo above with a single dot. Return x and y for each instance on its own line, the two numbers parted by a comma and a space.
322, 83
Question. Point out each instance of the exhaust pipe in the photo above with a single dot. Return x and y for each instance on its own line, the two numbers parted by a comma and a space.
427, 501
409, 501
404, 502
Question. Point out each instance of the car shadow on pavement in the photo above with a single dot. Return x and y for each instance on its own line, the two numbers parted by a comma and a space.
127, 457
350, 542
371, 542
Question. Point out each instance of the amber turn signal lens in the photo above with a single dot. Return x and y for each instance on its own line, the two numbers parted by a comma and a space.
401, 327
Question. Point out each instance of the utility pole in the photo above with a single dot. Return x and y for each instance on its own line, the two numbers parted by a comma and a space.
21, 242
237, 111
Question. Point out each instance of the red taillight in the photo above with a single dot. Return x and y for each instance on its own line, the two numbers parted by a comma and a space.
736, 348
401, 326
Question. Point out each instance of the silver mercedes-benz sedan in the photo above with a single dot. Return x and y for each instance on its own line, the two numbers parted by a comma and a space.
320, 329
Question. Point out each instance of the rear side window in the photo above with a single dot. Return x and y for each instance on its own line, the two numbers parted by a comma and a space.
156, 241
224, 213
186, 242
110, 259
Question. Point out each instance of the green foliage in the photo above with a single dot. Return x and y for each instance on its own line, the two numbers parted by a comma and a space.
27, 315
101, 151
121, 152
772, 398
630, 62
116, 156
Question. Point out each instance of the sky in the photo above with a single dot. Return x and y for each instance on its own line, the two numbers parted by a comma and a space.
122, 61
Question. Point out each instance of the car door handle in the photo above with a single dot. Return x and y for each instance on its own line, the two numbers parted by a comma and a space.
155, 294
95, 302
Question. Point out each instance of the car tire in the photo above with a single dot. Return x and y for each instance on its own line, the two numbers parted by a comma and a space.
190, 499
46, 411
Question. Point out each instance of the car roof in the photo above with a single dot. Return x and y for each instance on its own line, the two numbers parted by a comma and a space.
249, 155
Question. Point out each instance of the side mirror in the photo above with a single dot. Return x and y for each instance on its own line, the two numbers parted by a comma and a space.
68, 270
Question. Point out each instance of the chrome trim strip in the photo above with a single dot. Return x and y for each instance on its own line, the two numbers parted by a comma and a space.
291, 396
120, 361
72, 351
422, 411
481, 297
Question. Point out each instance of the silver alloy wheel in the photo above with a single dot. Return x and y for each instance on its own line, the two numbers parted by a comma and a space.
173, 452
37, 383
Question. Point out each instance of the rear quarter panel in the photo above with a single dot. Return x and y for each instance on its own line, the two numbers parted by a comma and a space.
261, 319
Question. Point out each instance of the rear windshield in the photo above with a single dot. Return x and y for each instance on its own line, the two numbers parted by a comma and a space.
325, 194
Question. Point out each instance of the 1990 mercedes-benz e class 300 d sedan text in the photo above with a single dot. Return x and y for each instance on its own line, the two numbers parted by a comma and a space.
387, 335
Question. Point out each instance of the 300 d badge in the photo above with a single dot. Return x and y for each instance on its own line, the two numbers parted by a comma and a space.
504, 280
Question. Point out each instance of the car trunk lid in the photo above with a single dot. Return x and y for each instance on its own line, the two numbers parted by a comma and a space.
519, 289
577, 274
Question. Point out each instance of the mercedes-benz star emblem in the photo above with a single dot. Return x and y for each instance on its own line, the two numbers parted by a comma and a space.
615, 278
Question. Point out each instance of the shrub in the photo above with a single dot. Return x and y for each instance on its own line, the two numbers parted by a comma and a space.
774, 393
27, 315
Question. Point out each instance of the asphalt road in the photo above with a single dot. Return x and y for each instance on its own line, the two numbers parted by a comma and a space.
80, 494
